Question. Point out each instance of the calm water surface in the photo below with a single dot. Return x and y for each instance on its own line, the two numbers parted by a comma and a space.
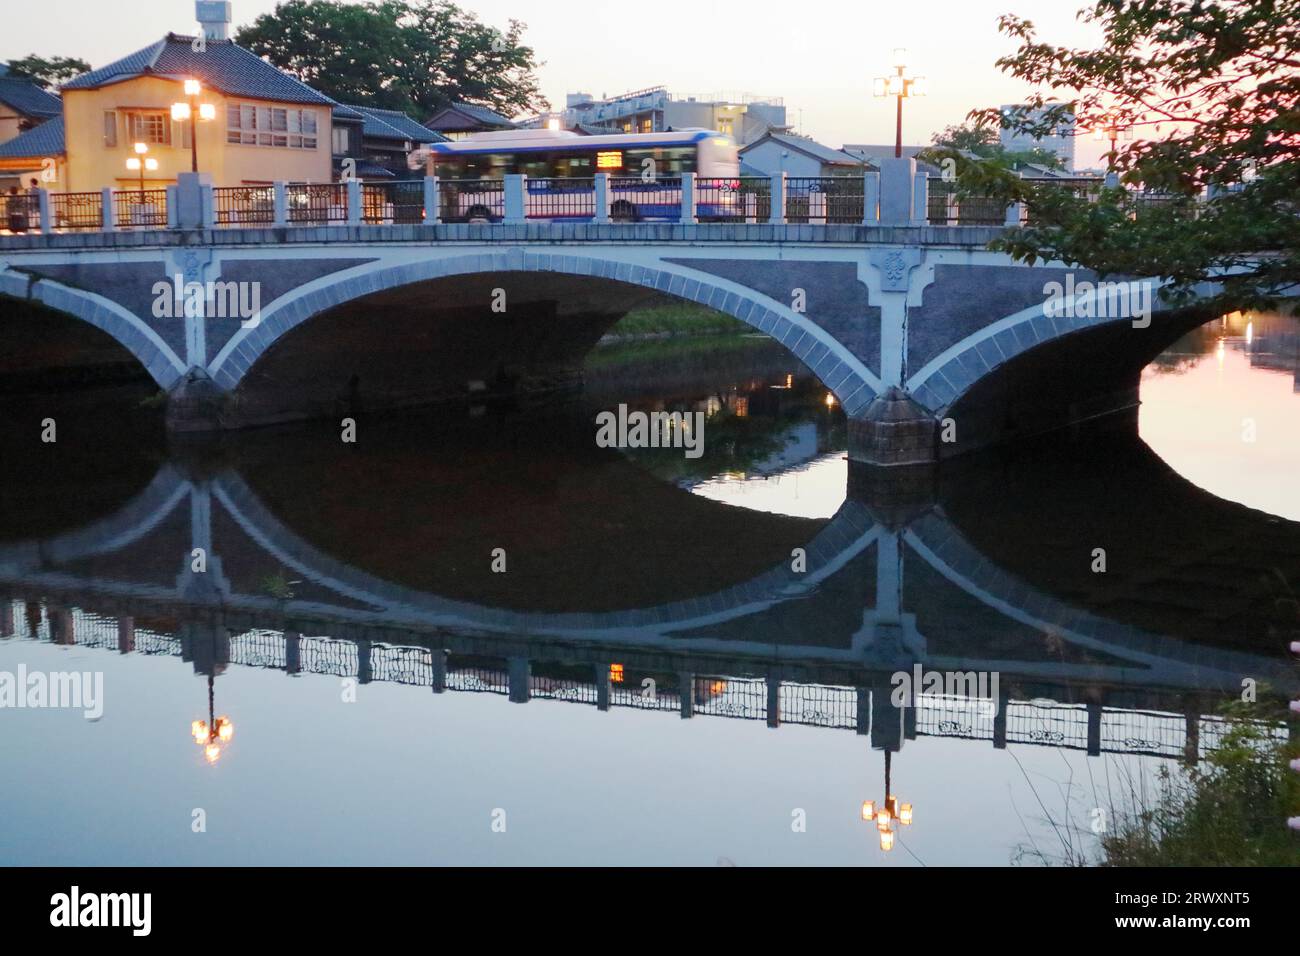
396, 699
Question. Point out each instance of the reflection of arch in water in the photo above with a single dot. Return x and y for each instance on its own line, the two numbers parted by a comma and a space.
1136, 656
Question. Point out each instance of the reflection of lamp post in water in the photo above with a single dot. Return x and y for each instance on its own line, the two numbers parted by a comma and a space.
888, 812
215, 732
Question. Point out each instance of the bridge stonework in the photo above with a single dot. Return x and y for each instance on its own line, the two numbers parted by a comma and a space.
923, 318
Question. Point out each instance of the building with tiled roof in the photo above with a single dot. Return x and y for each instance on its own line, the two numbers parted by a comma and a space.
378, 140
799, 156
464, 119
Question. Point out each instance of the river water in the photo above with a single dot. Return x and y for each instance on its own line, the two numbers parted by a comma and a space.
474, 638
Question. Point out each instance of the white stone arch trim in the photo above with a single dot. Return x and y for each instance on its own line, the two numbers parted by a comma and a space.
127, 329
950, 374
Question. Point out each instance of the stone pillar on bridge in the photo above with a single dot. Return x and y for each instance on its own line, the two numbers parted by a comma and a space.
773, 699
107, 211
886, 719
896, 190
43, 208
686, 685
516, 199
292, 652
280, 201
776, 214
431, 200
62, 626
365, 671
519, 676
688, 199
870, 197
194, 201
438, 667
601, 213
125, 635
602, 685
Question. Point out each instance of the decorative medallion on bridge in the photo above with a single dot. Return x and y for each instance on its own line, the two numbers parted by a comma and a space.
894, 267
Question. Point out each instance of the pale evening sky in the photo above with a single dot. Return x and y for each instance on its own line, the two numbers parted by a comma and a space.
820, 58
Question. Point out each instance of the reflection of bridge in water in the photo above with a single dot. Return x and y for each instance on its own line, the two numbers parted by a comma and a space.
633, 682
813, 647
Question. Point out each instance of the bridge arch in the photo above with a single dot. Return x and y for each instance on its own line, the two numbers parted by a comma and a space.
128, 330
950, 375
833, 363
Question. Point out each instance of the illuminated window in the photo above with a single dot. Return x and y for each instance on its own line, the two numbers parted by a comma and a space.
611, 159
616, 673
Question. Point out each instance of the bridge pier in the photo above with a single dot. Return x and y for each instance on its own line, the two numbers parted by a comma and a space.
894, 431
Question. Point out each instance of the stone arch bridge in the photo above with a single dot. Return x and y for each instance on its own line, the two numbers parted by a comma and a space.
908, 325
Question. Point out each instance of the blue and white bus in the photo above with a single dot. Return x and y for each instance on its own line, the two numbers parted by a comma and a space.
644, 168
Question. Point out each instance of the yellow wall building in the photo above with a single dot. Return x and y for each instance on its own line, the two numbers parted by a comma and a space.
266, 125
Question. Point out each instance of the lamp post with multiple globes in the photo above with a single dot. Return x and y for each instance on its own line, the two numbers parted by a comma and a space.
899, 86
193, 111
215, 732
141, 162
888, 812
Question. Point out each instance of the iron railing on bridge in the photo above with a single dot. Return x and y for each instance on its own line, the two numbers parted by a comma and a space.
824, 199
140, 208
83, 210
243, 205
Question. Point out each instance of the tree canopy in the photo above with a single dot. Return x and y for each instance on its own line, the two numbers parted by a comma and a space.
1211, 91
411, 55
47, 72
983, 141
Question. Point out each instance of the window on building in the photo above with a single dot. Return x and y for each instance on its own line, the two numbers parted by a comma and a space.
251, 125
726, 126
153, 128
647, 125
340, 140
110, 128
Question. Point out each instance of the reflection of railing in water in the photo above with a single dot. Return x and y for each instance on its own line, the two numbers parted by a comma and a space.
1044, 723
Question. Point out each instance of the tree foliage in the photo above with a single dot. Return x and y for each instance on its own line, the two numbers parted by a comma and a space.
1211, 91
983, 142
411, 55
47, 72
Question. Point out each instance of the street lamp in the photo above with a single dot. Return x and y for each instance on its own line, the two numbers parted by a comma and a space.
215, 732
899, 86
887, 813
1110, 129
193, 111
140, 162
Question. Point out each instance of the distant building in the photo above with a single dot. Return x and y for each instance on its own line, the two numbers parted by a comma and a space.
377, 140
743, 117
798, 156
465, 119
1061, 142
24, 104
266, 125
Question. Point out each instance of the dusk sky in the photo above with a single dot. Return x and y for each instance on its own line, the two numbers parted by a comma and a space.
820, 59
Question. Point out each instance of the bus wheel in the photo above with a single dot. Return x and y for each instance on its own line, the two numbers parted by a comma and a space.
623, 211
478, 214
